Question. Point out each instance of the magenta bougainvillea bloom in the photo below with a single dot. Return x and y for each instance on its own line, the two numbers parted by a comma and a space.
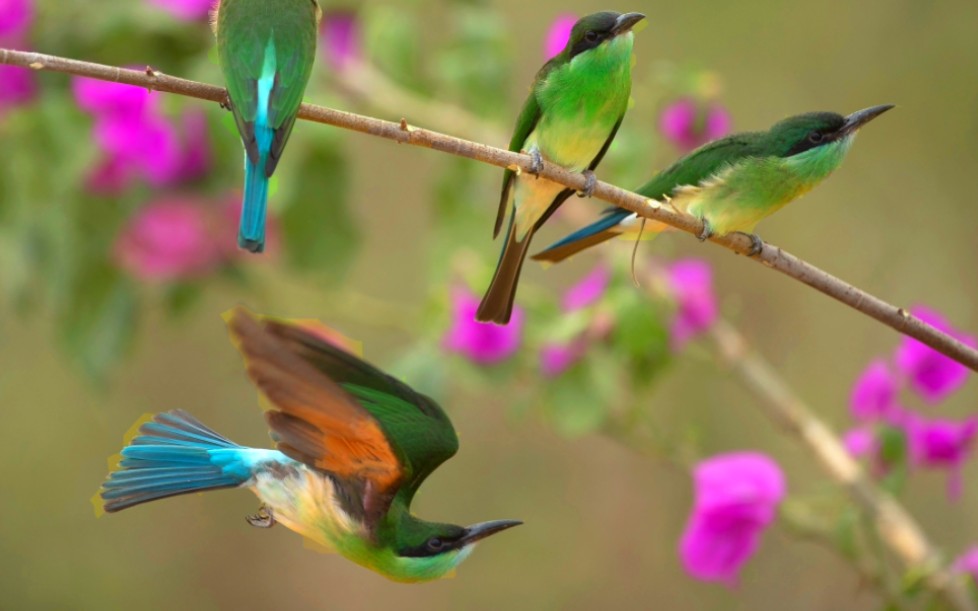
137, 140
481, 343
689, 123
930, 373
558, 34
556, 358
860, 441
874, 394
340, 34
691, 283
17, 85
943, 444
169, 239
16, 17
588, 291
736, 498
188, 10
968, 563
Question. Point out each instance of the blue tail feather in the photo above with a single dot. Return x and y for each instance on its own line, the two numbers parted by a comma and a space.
612, 217
175, 454
251, 232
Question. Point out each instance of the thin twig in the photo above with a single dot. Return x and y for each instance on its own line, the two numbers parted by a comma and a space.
771, 256
895, 525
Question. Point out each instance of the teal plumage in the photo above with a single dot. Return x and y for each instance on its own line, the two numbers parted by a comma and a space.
266, 49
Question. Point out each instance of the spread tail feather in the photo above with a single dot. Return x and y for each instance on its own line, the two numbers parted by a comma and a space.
175, 454
497, 305
590, 235
251, 232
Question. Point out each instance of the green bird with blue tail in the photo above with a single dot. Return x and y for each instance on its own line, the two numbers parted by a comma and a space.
266, 49
733, 183
354, 445
575, 107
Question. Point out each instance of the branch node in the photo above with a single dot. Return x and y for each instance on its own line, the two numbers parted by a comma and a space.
36, 66
405, 127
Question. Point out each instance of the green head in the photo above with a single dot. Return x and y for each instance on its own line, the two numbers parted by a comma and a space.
599, 30
417, 550
817, 142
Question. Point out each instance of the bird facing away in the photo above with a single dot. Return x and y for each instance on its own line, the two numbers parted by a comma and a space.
266, 50
733, 183
576, 104
354, 445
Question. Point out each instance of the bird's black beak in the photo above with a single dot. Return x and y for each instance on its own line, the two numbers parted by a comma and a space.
484, 529
862, 117
626, 22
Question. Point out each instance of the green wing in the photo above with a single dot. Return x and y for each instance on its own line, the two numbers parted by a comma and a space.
416, 427
244, 30
703, 163
525, 123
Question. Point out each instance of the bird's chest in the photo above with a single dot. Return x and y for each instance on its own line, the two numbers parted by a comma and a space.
580, 106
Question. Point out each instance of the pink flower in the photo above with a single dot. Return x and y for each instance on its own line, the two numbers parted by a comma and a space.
942, 444
340, 34
933, 375
689, 123
737, 496
481, 343
17, 86
968, 563
691, 281
860, 442
589, 290
16, 17
138, 141
558, 34
874, 394
557, 358
168, 240
187, 10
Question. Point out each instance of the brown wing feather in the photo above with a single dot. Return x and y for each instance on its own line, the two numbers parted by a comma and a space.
314, 420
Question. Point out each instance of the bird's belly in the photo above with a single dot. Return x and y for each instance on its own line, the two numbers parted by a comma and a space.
572, 144
532, 197
305, 502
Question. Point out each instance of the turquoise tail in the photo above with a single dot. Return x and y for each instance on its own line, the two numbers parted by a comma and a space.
588, 236
251, 232
176, 454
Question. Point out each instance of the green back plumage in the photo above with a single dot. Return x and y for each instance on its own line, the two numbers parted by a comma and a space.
244, 29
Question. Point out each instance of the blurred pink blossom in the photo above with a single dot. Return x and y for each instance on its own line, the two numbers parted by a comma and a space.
689, 123
188, 10
481, 343
137, 140
556, 358
169, 239
736, 498
340, 38
691, 282
860, 442
558, 34
943, 444
16, 17
968, 563
17, 86
933, 375
589, 290
874, 393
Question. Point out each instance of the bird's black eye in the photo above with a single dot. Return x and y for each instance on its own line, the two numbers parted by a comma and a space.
591, 36
435, 544
815, 137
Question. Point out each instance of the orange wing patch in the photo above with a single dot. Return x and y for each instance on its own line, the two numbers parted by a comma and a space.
316, 421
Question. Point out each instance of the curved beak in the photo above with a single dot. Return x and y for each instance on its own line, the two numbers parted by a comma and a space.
484, 529
862, 117
626, 22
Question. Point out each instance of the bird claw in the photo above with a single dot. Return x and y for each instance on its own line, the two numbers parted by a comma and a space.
263, 519
226, 102
706, 233
590, 181
536, 165
756, 244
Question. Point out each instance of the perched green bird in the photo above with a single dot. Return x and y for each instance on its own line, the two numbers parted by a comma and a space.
735, 182
266, 50
354, 445
576, 104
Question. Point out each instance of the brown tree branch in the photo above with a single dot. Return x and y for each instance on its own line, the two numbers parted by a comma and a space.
771, 256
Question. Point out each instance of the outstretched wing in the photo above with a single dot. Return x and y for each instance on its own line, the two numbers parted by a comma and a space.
338, 414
